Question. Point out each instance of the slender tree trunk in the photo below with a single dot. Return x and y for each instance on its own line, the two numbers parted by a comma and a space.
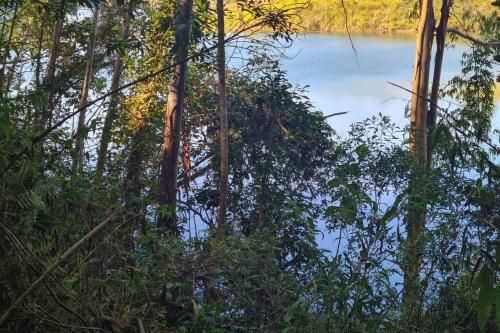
79, 145
6, 53
51, 68
38, 66
167, 191
438, 64
418, 149
223, 132
113, 105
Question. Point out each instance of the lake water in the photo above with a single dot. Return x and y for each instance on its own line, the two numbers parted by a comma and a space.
341, 82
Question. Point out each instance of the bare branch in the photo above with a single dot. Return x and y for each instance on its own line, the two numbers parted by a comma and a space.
335, 114
488, 143
490, 43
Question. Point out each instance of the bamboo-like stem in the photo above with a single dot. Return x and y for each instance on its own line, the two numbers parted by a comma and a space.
52, 267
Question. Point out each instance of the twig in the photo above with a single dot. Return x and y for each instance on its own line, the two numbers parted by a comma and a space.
52, 267
346, 21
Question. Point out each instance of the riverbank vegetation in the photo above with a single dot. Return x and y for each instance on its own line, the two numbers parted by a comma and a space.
382, 16
148, 186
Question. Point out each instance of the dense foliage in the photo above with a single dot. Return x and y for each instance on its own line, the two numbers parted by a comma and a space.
80, 249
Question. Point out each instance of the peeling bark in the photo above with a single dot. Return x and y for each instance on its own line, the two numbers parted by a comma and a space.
418, 149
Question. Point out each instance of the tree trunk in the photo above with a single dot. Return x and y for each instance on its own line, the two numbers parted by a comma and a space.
79, 145
112, 109
6, 54
167, 191
438, 64
418, 149
51, 68
38, 66
223, 132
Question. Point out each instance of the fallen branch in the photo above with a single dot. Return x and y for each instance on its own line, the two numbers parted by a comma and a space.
52, 267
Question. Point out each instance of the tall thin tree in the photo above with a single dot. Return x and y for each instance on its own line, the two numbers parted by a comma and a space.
80, 138
223, 131
38, 66
113, 103
167, 192
418, 149
51, 65
438, 64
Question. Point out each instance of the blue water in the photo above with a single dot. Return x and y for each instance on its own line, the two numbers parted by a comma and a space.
341, 79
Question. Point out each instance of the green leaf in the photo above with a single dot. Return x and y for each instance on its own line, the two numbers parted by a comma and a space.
332, 210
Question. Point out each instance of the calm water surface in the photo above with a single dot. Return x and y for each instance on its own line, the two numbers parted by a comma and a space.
341, 82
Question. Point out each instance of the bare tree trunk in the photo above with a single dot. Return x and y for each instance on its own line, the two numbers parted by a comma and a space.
438, 64
223, 132
418, 148
79, 145
167, 191
46, 116
38, 66
112, 110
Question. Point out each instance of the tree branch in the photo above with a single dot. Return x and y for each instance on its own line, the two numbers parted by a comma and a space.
490, 43
447, 114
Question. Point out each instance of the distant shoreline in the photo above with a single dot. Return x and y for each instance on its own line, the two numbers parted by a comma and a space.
377, 17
